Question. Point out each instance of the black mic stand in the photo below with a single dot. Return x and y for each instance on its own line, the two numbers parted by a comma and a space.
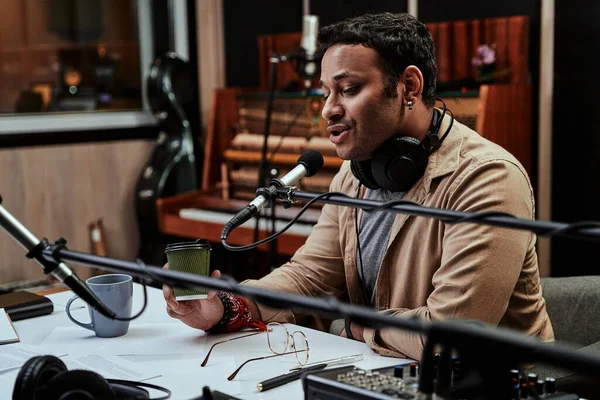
307, 68
264, 169
263, 166
475, 342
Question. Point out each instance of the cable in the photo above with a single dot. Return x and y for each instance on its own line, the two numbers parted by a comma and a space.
444, 110
288, 129
490, 214
483, 216
144, 269
166, 391
542, 232
573, 228
281, 232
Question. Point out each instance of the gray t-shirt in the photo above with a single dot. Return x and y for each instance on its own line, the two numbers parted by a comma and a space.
375, 229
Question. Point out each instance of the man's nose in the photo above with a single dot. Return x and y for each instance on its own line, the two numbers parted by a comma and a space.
332, 109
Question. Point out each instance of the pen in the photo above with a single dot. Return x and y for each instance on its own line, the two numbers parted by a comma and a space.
289, 377
330, 362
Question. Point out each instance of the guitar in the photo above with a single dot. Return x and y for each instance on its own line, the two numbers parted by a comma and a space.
172, 167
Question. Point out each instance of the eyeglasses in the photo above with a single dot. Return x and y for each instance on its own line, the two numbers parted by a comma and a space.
280, 342
221, 342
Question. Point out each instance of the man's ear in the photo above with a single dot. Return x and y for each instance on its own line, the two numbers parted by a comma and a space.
412, 78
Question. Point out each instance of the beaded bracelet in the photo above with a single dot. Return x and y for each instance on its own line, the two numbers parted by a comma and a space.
236, 315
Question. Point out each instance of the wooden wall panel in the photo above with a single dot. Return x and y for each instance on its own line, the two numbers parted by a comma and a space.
489, 30
444, 49
505, 118
518, 37
502, 44
461, 57
475, 41
58, 190
432, 27
455, 42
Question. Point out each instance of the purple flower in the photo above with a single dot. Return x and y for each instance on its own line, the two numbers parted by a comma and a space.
485, 55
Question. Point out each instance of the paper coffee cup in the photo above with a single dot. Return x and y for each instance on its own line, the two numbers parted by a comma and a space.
190, 257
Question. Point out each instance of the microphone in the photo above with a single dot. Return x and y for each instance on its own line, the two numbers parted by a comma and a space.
308, 164
308, 64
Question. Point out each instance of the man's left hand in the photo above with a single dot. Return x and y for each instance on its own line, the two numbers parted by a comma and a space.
357, 332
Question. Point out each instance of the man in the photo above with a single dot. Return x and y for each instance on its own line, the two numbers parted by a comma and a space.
378, 78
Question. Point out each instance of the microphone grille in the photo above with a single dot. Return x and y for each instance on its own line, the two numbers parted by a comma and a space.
312, 161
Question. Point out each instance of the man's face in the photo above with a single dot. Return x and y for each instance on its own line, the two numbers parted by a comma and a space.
360, 116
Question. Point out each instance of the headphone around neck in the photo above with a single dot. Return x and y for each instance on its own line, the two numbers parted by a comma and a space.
47, 378
400, 161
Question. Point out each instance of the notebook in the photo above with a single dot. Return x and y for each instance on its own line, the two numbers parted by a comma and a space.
21, 305
8, 334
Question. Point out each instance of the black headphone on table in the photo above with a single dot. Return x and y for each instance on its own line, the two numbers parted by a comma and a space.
400, 161
47, 378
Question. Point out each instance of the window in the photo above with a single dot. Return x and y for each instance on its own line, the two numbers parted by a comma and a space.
74, 64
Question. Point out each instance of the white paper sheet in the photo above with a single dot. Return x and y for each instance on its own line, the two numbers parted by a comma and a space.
15, 355
185, 378
110, 367
7, 383
141, 339
7, 332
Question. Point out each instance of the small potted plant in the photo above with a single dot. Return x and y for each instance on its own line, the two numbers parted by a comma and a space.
485, 62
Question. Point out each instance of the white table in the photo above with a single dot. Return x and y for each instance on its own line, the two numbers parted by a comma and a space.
175, 350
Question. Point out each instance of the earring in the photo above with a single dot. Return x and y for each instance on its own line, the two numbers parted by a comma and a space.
410, 105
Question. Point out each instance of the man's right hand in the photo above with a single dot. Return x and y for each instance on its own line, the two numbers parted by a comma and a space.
200, 314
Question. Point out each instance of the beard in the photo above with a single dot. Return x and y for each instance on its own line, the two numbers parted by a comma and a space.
366, 140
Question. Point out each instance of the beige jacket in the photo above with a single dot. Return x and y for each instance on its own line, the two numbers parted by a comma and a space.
432, 270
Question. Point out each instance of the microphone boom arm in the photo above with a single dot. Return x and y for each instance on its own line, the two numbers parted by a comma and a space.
581, 230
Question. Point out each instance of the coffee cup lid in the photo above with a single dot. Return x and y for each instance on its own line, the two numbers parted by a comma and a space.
198, 244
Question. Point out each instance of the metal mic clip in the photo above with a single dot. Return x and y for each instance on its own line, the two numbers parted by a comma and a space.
285, 195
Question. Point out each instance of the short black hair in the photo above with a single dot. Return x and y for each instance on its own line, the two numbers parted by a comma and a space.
400, 39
